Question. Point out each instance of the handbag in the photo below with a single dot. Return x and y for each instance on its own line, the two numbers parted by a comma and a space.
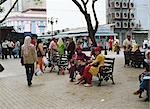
22, 61
45, 61
39, 53
38, 72
1, 68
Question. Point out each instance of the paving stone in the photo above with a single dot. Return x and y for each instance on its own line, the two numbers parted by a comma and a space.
52, 91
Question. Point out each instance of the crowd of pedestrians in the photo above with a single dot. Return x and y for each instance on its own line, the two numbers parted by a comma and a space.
9, 48
34, 50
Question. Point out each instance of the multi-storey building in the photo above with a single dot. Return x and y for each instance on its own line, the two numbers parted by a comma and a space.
27, 16
121, 13
143, 13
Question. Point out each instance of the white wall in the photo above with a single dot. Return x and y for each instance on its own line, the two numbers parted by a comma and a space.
143, 13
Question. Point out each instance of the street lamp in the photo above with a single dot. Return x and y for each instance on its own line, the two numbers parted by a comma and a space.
52, 20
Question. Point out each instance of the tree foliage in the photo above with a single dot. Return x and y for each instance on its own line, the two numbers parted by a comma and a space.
82, 5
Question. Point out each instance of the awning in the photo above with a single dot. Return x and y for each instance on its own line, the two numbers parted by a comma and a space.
83, 34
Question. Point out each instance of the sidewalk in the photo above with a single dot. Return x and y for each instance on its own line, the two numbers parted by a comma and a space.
52, 91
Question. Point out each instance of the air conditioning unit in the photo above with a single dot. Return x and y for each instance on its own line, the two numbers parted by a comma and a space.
124, 4
117, 24
132, 25
125, 24
117, 4
125, 15
132, 16
131, 5
116, 15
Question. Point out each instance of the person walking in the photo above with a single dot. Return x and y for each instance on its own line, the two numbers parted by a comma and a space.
28, 52
40, 54
71, 49
110, 43
61, 47
127, 44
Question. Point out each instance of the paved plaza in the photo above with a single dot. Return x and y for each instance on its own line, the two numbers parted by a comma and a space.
52, 91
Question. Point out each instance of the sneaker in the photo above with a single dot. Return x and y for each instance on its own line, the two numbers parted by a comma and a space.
88, 85
29, 84
71, 80
77, 82
137, 92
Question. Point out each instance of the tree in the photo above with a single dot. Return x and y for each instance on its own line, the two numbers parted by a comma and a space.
83, 9
2, 1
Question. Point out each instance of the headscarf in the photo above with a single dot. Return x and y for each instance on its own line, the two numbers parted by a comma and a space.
27, 44
60, 42
61, 46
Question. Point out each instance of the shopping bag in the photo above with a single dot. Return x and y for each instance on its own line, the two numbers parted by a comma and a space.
78, 76
38, 72
45, 61
1, 68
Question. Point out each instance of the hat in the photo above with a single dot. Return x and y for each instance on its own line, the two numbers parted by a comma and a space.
97, 49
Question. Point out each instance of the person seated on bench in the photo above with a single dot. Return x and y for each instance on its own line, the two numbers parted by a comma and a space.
78, 63
92, 69
147, 60
137, 56
141, 76
144, 85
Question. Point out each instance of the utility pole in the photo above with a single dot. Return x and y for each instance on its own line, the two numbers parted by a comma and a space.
52, 20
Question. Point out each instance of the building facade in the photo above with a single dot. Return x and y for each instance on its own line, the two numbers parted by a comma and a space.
27, 16
143, 13
121, 13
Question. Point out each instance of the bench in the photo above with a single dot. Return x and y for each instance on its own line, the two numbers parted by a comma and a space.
62, 63
106, 71
137, 59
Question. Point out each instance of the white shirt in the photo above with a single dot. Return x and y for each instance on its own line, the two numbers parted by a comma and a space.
4, 45
126, 42
11, 44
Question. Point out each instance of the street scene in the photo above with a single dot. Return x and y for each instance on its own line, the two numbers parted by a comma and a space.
74, 54
52, 91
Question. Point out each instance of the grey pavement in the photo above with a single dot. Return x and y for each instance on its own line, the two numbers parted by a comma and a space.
52, 91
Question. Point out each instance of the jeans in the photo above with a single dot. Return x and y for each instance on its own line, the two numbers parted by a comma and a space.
144, 85
29, 71
15, 52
